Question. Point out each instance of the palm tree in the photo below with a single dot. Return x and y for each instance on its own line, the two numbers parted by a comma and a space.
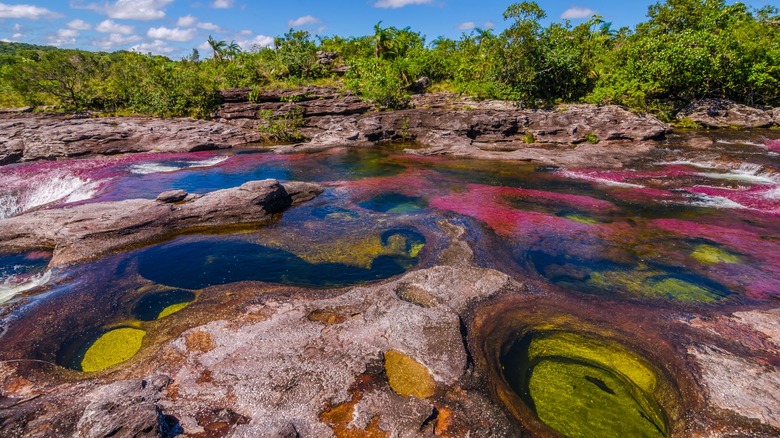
232, 50
218, 47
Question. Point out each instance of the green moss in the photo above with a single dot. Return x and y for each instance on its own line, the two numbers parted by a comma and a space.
676, 289
711, 255
591, 138
686, 123
528, 138
114, 347
645, 282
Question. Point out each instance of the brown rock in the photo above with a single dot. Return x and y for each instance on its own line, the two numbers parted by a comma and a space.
722, 113
29, 137
87, 231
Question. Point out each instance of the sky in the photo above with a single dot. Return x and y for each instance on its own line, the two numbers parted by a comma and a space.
174, 27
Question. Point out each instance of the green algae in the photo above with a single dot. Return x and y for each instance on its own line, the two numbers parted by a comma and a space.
652, 283
585, 387
581, 219
712, 255
112, 348
158, 305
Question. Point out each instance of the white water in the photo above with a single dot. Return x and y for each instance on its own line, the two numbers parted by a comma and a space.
173, 166
596, 179
10, 287
710, 201
45, 189
746, 172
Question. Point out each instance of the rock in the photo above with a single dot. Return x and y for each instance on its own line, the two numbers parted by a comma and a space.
776, 116
722, 113
87, 231
29, 137
420, 85
172, 196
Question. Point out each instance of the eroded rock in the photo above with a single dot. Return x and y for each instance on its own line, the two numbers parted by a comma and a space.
722, 113
30, 137
87, 231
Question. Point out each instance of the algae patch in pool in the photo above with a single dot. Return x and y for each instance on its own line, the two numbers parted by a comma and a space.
114, 347
210, 262
394, 203
585, 387
158, 305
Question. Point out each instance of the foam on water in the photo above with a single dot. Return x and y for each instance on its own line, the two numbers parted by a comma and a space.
598, 179
14, 285
173, 166
746, 172
43, 189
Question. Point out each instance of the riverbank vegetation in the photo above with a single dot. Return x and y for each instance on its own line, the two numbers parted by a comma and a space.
685, 50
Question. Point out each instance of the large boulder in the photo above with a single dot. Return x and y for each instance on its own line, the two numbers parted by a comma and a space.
722, 113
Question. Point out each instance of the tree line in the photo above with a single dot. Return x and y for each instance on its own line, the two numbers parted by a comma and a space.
685, 50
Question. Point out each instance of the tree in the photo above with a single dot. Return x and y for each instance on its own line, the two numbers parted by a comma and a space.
218, 47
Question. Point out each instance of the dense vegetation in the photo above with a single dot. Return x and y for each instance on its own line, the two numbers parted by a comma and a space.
686, 50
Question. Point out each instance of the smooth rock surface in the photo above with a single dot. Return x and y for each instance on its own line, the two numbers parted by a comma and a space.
88, 231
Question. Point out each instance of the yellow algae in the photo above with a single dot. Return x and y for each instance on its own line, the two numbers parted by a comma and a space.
114, 347
683, 291
170, 310
350, 250
581, 219
712, 255
407, 376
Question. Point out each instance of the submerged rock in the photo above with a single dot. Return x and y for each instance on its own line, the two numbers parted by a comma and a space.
84, 232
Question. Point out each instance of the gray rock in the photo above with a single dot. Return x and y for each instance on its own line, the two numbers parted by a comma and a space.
87, 231
722, 113
172, 196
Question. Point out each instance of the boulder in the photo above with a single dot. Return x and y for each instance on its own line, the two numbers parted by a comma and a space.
172, 196
88, 231
722, 113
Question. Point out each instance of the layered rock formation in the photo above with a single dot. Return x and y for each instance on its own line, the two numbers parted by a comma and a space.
30, 137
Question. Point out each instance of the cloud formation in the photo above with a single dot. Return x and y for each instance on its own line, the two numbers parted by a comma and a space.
222, 4
144, 10
303, 21
29, 12
175, 34
157, 47
79, 25
468, 25
577, 13
110, 26
395, 4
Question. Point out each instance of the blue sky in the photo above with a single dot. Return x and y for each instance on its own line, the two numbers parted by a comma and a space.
174, 27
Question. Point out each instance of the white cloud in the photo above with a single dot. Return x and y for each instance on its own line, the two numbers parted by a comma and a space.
303, 21
575, 13
17, 36
468, 25
79, 25
258, 40
130, 9
17, 27
29, 12
64, 37
176, 34
489, 25
245, 32
209, 26
113, 40
394, 4
222, 4
157, 47
186, 21
110, 26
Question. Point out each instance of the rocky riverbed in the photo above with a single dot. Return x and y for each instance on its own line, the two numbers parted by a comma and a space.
596, 265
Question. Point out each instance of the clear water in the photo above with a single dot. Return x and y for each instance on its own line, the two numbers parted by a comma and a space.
686, 229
